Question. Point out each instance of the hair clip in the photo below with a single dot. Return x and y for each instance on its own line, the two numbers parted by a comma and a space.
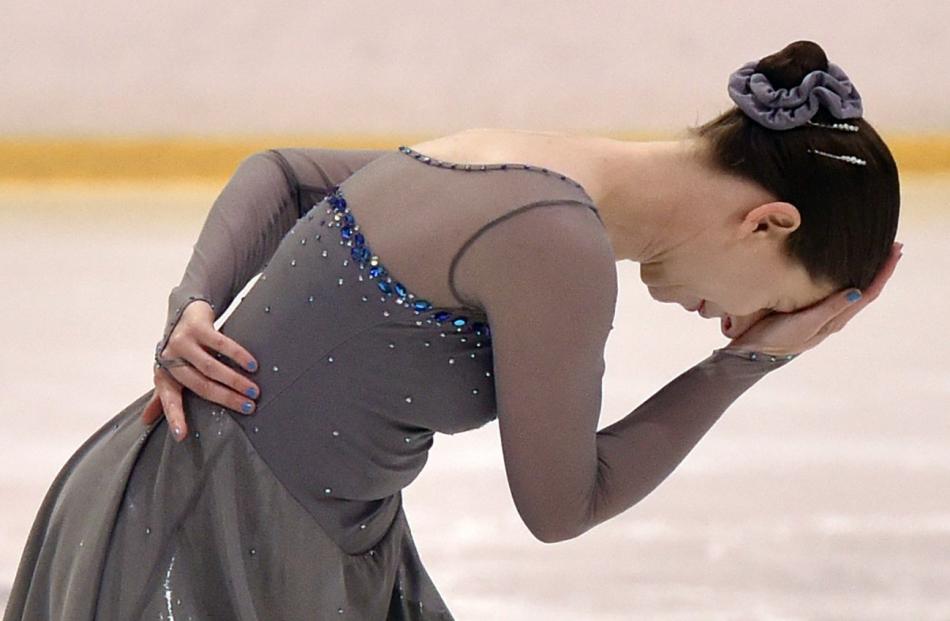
851, 159
841, 126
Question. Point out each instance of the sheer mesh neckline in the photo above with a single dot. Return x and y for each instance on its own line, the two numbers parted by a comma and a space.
341, 216
432, 161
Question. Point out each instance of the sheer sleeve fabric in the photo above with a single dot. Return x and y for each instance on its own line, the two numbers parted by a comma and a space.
254, 211
546, 278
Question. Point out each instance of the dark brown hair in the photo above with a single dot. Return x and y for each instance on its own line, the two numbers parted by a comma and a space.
848, 212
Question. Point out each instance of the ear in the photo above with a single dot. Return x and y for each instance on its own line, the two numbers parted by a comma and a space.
775, 218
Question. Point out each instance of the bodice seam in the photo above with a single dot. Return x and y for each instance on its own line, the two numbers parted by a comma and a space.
322, 358
471, 239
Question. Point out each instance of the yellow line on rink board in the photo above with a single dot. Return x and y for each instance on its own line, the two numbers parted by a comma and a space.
190, 158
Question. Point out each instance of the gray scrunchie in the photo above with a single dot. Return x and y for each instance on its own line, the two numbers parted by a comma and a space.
787, 108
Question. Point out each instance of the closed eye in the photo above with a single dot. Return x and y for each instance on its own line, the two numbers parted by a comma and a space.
789, 308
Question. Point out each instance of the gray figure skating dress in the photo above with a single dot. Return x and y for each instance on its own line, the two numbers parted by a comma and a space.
295, 512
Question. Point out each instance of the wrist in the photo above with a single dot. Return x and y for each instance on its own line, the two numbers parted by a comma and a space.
750, 354
178, 300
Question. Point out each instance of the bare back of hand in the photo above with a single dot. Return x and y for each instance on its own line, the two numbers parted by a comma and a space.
200, 346
781, 334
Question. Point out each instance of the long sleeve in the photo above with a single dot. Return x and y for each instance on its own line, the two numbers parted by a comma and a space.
254, 211
546, 278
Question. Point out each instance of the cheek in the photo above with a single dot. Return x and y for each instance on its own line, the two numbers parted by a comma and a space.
736, 298
745, 291
744, 306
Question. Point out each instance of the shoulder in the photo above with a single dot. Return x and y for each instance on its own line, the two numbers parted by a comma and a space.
545, 254
322, 166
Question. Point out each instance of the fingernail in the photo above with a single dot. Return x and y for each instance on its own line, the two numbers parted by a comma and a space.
251, 366
251, 392
177, 431
854, 296
247, 407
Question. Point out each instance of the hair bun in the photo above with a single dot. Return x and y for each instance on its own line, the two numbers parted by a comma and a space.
785, 90
787, 67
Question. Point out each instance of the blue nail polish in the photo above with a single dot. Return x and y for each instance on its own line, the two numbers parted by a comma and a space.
251, 392
252, 366
854, 296
247, 407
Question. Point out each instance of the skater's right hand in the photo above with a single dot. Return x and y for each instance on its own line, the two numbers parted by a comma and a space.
205, 375
793, 333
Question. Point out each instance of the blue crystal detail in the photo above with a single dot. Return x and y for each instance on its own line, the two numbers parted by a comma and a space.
360, 253
337, 201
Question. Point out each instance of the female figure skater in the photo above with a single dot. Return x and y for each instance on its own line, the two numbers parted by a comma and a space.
435, 288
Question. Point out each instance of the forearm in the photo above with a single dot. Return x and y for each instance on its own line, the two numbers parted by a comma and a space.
639, 451
268, 193
241, 232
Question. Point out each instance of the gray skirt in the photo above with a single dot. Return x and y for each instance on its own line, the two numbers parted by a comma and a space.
138, 526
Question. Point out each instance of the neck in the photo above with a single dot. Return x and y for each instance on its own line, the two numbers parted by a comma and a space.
655, 196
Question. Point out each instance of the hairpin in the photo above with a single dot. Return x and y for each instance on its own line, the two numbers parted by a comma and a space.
851, 159
841, 126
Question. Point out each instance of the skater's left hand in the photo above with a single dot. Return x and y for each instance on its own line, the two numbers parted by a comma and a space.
205, 375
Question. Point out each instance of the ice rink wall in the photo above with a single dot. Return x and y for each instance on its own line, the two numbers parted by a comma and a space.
184, 89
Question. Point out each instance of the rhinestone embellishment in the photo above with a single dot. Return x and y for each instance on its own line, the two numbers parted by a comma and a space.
485, 167
390, 288
753, 355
